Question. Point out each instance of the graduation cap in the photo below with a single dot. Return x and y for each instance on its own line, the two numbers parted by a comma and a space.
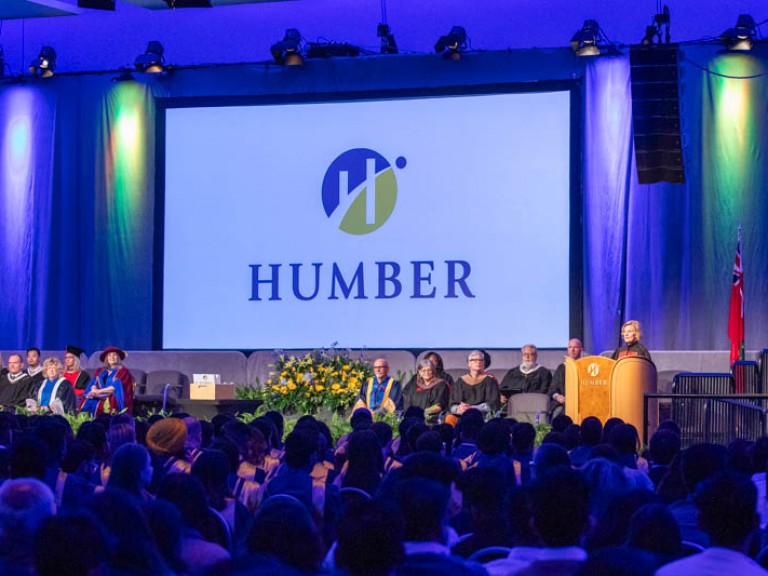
75, 350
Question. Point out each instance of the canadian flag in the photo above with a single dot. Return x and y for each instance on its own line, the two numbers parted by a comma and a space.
736, 314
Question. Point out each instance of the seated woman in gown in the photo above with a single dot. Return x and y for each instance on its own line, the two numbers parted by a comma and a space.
111, 389
477, 389
427, 391
54, 386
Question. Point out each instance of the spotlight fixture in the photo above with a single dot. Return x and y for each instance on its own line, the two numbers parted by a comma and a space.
288, 50
653, 32
451, 45
152, 60
388, 44
742, 37
586, 42
45, 63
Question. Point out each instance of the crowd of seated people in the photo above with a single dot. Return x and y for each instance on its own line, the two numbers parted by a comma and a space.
56, 386
178, 495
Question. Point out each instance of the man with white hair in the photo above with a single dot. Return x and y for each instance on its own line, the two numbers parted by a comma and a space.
381, 393
530, 376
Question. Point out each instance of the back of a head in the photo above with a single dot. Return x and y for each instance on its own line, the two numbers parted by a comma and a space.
24, 504
663, 447
75, 544
166, 437
369, 541
591, 431
654, 528
383, 433
702, 461
430, 466
561, 422
53, 433
361, 419
470, 424
28, 458
212, 469
484, 490
560, 507
284, 528
364, 451
669, 425
130, 470
494, 438
523, 437
120, 434
623, 437
605, 479
79, 452
609, 425
727, 506
424, 506
300, 445
429, 441
548, 457
94, 433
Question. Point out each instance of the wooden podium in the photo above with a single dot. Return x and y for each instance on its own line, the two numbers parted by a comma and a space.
605, 388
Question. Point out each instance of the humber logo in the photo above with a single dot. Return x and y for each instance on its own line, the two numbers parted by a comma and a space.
360, 188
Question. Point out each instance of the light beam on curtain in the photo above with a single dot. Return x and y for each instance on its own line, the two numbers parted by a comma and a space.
124, 218
607, 169
733, 185
26, 168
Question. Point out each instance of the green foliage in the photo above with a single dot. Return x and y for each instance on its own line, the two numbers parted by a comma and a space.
541, 431
76, 420
321, 380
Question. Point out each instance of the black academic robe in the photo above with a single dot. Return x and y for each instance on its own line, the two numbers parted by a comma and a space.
14, 392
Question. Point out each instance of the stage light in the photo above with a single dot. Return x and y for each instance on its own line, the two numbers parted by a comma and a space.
45, 63
586, 41
288, 50
742, 37
388, 44
650, 33
152, 60
451, 45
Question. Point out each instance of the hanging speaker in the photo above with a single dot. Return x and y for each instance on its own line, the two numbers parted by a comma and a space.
656, 114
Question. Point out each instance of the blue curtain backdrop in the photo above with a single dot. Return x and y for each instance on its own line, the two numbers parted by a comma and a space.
77, 181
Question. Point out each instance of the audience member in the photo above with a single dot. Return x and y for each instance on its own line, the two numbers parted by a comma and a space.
728, 516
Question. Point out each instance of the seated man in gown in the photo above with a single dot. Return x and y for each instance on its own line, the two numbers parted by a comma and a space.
557, 390
15, 384
381, 392
530, 376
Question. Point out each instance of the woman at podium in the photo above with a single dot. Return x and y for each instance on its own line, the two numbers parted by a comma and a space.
631, 334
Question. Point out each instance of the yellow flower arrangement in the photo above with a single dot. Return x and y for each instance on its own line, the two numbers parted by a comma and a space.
324, 380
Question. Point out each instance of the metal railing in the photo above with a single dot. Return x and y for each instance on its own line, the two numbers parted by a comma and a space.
716, 418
